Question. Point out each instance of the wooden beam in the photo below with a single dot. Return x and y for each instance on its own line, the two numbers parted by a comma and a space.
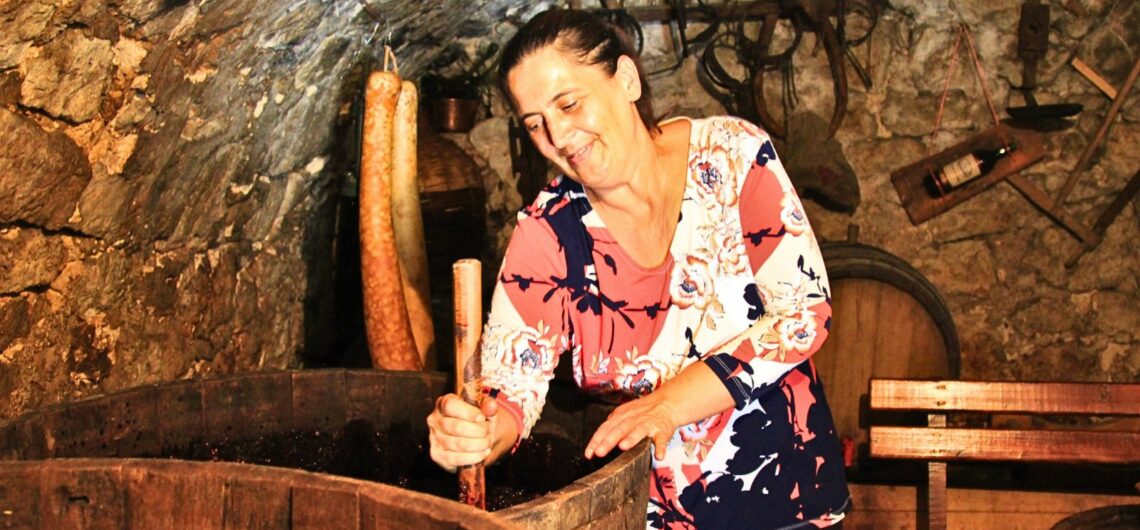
1121, 399
1053, 210
945, 444
896, 507
1094, 77
1105, 220
1109, 118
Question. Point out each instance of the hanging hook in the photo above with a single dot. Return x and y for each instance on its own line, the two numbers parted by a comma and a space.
387, 32
368, 39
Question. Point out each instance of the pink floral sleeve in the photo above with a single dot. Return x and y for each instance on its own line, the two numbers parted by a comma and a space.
790, 295
525, 331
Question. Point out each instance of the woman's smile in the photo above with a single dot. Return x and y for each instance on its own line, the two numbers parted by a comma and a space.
577, 158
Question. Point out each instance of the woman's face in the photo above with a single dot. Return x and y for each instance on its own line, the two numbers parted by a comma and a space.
581, 118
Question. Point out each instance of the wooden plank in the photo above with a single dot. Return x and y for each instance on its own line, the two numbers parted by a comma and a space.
132, 417
856, 364
365, 394
181, 416
257, 498
410, 398
20, 495
1054, 211
1117, 205
87, 494
247, 407
322, 507
397, 509
884, 299
1094, 77
1007, 396
319, 400
1105, 447
173, 494
568, 507
883, 507
920, 206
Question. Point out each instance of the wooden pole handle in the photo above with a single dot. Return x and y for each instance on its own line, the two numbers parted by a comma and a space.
467, 276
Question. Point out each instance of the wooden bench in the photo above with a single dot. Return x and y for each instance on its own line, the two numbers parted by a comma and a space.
938, 444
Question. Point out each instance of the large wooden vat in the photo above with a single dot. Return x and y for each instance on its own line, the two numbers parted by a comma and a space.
94, 493
887, 321
104, 433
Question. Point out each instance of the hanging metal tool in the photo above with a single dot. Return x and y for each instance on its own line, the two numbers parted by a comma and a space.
1032, 45
805, 15
1032, 41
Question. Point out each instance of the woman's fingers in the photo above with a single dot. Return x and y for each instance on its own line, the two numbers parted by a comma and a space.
452, 459
461, 446
617, 431
459, 433
631, 423
453, 406
456, 427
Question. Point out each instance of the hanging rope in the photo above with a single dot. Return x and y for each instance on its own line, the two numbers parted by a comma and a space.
963, 33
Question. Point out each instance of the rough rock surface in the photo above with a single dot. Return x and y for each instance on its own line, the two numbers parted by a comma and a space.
67, 77
42, 173
170, 172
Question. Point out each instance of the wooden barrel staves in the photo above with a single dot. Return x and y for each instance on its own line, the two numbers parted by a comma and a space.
887, 321
166, 456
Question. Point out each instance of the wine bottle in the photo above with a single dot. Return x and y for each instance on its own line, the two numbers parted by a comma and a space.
967, 168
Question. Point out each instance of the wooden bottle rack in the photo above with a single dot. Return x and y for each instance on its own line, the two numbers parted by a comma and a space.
921, 206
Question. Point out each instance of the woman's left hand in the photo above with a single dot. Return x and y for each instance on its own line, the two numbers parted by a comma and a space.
650, 417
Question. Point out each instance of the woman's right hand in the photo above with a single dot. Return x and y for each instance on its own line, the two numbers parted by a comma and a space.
460, 433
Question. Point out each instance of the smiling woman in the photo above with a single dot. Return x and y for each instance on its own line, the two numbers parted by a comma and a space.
674, 264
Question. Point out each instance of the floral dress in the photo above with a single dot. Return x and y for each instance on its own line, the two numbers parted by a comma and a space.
743, 290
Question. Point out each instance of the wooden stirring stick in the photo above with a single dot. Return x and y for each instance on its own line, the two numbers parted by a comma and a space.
467, 277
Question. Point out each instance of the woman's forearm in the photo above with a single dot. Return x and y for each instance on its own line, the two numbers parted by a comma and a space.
694, 394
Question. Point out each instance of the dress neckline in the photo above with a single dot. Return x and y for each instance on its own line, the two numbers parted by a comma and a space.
667, 263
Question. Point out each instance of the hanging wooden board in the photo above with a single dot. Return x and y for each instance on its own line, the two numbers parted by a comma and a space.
921, 205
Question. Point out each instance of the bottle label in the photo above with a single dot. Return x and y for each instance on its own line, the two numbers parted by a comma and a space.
961, 170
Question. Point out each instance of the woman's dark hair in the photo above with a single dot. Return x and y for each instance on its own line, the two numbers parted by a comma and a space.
593, 40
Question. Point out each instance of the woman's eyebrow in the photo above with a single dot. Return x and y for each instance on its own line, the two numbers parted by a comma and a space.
552, 100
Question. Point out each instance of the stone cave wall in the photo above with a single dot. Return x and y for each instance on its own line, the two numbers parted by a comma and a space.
996, 259
170, 175
169, 180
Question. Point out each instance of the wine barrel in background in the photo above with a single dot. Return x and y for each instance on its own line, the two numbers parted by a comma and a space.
887, 321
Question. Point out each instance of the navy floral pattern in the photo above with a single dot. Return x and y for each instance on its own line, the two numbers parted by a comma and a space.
743, 290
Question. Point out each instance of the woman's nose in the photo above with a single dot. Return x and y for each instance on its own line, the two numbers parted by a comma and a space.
558, 131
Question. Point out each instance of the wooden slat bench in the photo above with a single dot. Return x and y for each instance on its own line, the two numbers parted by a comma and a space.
938, 444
